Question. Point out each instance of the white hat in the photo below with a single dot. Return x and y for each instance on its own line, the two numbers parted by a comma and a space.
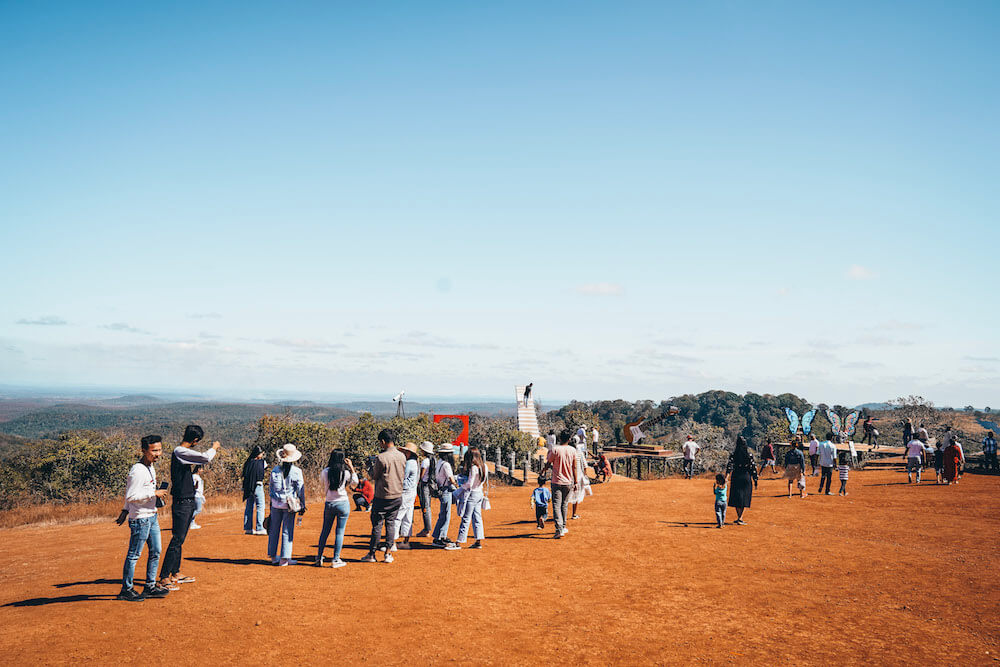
288, 454
445, 448
427, 447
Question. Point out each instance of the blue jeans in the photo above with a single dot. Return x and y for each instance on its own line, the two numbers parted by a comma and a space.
688, 467
282, 528
444, 517
144, 531
473, 513
338, 511
720, 513
256, 499
198, 504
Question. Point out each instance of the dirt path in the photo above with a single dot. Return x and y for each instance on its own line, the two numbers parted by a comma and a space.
892, 573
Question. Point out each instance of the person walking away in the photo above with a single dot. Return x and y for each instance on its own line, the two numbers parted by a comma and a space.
596, 441
814, 455
404, 518
827, 459
141, 496
364, 494
288, 498
550, 441
719, 489
990, 453
938, 462
182, 507
742, 472
952, 461
387, 473
562, 461
690, 451
540, 498
444, 475
334, 480
844, 470
922, 431
582, 487
768, 455
867, 428
254, 473
907, 431
472, 511
795, 469
527, 393
199, 496
424, 487
914, 459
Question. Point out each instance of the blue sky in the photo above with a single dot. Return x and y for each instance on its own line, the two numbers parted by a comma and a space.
611, 199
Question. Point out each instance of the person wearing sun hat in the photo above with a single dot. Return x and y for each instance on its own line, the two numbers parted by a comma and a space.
404, 518
423, 488
444, 473
288, 492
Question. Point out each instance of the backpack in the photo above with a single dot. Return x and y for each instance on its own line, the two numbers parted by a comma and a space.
432, 484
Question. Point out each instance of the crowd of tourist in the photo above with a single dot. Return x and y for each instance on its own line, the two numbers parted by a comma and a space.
393, 481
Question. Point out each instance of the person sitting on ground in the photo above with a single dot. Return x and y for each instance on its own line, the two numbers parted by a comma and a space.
719, 489
795, 470
604, 471
844, 469
690, 451
199, 496
364, 493
914, 459
768, 455
141, 495
540, 498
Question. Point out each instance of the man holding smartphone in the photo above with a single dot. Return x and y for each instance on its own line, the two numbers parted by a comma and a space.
141, 496
182, 507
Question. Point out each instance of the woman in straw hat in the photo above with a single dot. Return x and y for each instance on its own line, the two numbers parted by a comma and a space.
404, 518
445, 475
288, 497
423, 487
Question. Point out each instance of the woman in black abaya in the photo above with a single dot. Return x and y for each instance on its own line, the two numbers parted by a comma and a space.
743, 479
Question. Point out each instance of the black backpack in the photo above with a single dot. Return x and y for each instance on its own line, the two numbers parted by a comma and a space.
432, 483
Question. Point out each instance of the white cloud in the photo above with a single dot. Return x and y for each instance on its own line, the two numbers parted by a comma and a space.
123, 327
45, 321
304, 345
858, 272
601, 289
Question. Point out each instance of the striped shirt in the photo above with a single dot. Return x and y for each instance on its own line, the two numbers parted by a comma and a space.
843, 470
989, 445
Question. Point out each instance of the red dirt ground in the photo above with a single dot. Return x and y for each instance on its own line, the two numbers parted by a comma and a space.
890, 574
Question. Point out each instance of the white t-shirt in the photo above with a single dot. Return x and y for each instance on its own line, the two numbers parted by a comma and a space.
550, 440
199, 486
443, 473
690, 449
914, 449
813, 446
338, 492
425, 467
597, 436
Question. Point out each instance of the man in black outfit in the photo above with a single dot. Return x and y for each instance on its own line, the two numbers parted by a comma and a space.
182, 507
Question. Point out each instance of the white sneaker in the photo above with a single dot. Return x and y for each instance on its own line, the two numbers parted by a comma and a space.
451, 546
194, 526
260, 532
393, 547
565, 531
338, 563
388, 558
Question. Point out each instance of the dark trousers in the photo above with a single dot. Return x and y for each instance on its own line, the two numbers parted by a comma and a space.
990, 461
867, 437
360, 502
181, 511
384, 511
825, 477
813, 458
843, 486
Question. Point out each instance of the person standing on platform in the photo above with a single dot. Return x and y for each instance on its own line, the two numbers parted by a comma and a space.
690, 451
813, 454
141, 496
827, 454
562, 461
867, 428
527, 393
387, 474
182, 508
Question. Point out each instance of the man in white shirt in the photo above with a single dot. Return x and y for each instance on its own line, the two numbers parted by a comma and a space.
596, 435
690, 450
813, 455
914, 459
141, 495
827, 453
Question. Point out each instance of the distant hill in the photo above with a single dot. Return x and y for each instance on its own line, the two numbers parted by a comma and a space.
383, 408
873, 406
129, 401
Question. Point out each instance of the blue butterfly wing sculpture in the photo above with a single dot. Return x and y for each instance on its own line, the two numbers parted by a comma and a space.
807, 419
793, 421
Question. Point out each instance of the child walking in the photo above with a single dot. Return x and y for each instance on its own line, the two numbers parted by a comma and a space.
844, 469
199, 496
540, 498
720, 499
